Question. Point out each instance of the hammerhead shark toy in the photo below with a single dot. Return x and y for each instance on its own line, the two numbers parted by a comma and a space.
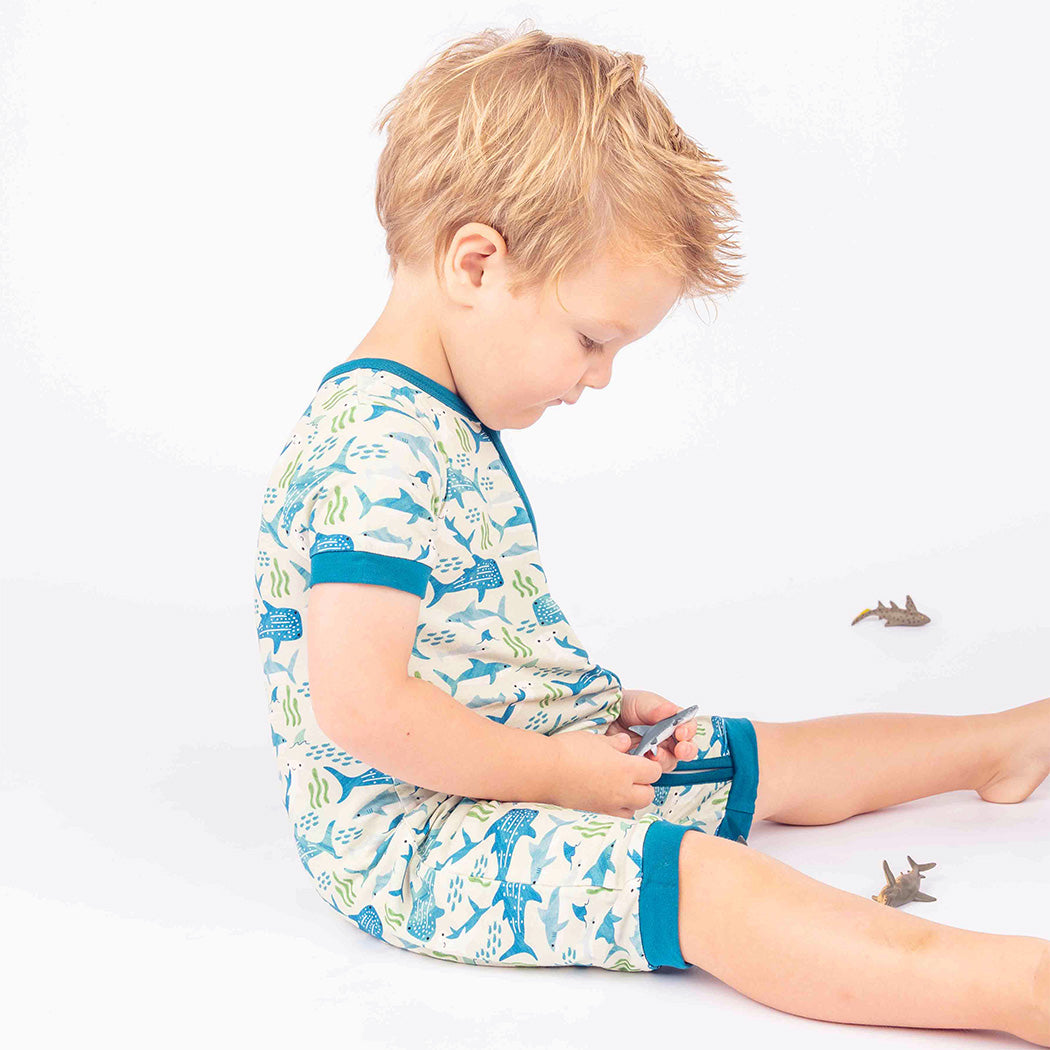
895, 616
653, 735
905, 887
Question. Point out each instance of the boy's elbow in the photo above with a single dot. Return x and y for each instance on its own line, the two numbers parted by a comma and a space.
356, 722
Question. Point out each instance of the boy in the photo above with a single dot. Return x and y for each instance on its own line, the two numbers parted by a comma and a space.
454, 762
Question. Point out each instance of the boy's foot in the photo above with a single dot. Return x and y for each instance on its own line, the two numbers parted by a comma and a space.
1024, 761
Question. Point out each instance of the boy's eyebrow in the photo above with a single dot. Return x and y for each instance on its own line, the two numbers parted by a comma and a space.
612, 324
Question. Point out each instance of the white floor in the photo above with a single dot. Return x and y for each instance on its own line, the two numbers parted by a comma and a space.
152, 892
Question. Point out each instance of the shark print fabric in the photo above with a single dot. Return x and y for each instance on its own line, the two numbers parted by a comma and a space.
390, 478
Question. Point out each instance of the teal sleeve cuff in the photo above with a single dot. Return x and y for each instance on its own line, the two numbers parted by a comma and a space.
367, 567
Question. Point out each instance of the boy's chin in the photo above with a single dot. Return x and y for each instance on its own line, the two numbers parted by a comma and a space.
521, 419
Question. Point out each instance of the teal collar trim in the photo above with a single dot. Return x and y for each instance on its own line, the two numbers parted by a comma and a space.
443, 394
431, 386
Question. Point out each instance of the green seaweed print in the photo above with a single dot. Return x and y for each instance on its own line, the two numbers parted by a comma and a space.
517, 645
278, 581
290, 471
345, 889
343, 420
461, 432
318, 789
481, 811
595, 827
335, 509
341, 391
524, 585
290, 706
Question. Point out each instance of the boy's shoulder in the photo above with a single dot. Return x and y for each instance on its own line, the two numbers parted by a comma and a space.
371, 396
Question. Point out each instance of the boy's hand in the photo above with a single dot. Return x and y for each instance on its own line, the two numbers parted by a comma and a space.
640, 707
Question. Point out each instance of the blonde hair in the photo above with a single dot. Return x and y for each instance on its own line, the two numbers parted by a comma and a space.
558, 145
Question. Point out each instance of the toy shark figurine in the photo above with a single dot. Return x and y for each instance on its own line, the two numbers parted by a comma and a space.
653, 735
895, 616
905, 887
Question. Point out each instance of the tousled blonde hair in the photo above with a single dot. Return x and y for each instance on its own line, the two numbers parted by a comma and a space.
558, 145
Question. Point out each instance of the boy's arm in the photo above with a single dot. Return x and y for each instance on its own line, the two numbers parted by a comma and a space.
418, 733
359, 639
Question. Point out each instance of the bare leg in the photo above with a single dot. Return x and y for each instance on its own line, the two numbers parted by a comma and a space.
826, 769
796, 944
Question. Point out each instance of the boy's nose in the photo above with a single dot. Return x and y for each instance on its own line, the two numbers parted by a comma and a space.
598, 380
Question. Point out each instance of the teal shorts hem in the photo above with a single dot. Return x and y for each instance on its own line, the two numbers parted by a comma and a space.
740, 809
658, 898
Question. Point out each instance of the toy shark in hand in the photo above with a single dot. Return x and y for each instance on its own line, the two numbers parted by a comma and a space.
895, 616
905, 887
653, 735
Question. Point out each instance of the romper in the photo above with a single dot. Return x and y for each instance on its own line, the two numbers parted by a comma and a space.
390, 478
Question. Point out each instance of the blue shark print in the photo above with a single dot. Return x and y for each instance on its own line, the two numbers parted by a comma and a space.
421, 446
308, 850
519, 517
385, 535
280, 625
547, 610
541, 853
606, 929
368, 920
271, 667
303, 481
374, 862
473, 613
330, 542
379, 409
549, 917
478, 669
517, 548
425, 912
479, 911
503, 719
574, 649
269, 526
586, 678
598, 870
373, 776
403, 503
459, 483
506, 831
484, 575
515, 896
392, 480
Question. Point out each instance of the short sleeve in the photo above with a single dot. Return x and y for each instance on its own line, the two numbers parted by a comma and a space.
369, 495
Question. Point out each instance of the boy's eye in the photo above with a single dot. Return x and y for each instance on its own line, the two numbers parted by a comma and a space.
590, 345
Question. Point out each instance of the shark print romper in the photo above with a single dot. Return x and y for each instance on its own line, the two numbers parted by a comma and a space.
390, 478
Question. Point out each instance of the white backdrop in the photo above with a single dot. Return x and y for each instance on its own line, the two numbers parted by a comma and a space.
189, 243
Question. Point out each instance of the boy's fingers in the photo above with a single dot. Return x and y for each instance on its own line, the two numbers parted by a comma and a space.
650, 772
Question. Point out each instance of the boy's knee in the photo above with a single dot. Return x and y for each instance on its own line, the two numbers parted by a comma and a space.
717, 878
710, 864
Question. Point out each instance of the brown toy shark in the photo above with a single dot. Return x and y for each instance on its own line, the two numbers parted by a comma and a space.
895, 616
905, 887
